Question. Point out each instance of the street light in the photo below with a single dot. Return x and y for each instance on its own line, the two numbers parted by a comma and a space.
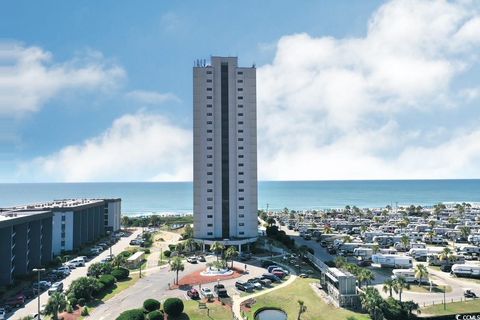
38, 288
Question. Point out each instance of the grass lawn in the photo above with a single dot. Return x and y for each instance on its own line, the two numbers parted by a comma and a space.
453, 308
120, 286
217, 311
286, 298
426, 288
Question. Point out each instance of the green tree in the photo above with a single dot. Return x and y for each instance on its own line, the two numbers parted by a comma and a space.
446, 254
365, 276
230, 254
190, 244
375, 248
217, 248
340, 262
327, 229
119, 260
400, 284
388, 286
187, 232
84, 287
176, 265
405, 240
421, 273
56, 303
270, 221
98, 268
465, 231
372, 302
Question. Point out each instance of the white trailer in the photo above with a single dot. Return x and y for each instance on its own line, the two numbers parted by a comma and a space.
392, 261
365, 253
407, 274
466, 270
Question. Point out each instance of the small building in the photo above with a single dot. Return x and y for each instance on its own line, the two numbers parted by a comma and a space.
135, 260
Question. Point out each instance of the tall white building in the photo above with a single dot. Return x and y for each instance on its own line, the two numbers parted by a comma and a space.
225, 151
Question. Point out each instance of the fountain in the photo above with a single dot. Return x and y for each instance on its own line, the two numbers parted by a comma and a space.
214, 271
270, 314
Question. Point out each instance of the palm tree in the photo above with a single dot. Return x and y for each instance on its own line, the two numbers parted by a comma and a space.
401, 225
365, 275
465, 232
340, 262
420, 273
189, 243
177, 265
363, 228
400, 284
432, 223
119, 260
411, 306
388, 286
347, 239
405, 240
372, 302
56, 303
301, 308
230, 254
375, 248
217, 247
446, 254
270, 221
452, 220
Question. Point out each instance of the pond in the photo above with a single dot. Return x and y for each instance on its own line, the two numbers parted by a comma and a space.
271, 314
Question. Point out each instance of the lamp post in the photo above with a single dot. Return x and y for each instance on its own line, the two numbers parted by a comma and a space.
110, 240
444, 302
38, 288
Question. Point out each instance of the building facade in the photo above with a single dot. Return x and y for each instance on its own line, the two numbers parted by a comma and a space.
225, 150
25, 242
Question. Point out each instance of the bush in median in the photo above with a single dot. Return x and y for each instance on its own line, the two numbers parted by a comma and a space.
167, 253
173, 307
120, 273
155, 315
151, 305
108, 280
133, 314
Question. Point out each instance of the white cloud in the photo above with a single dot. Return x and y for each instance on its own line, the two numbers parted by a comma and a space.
151, 97
29, 77
347, 108
137, 147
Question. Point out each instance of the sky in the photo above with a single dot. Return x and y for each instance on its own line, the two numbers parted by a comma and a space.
346, 90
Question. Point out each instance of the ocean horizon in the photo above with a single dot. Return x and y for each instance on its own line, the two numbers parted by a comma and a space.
141, 198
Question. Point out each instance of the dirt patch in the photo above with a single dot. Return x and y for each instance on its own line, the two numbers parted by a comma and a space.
195, 278
76, 314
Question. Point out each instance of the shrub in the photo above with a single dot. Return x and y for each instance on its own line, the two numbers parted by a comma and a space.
81, 302
147, 251
155, 315
108, 280
84, 287
151, 305
85, 312
133, 314
126, 254
69, 308
120, 273
73, 301
167, 253
173, 307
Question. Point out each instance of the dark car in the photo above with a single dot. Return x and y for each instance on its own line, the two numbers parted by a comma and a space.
15, 302
201, 259
446, 268
244, 286
271, 277
29, 293
193, 294
220, 290
469, 294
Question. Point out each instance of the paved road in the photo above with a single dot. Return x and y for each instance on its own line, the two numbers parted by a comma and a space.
31, 307
155, 285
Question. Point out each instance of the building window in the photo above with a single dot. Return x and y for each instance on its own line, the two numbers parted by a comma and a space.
240, 81
209, 173
209, 80
240, 114
209, 72
209, 164
209, 199
209, 156
210, 216
209, 89
210, 225
241, 215
240, 89
209, 182
240, 148
240, 122
209, 122
209, 233
62, 243
241, 224
239, 98
209, 97
209, 131
209, 207
240, 190
240, 72
209, 148
209, 139
241, 198
240, 164
240, 156
240, 181
240, 105
241, 233
209, 105
209, 114
240, 131
209, 190
63, 218
241, 207
240, 139
240, 173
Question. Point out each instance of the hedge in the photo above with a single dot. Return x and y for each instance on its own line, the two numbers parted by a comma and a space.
151, 305
173, 307
167, 253
120, 273
155, 315
108, 280
133, 314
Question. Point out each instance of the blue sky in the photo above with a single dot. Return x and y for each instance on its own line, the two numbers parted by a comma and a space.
100, 90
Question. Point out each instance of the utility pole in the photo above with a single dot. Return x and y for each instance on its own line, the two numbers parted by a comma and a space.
444, 302
38, 289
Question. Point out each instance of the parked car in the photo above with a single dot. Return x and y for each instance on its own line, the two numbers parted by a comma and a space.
446, 268
279, 274
16, 302
63, 269
220, 290
244, 286
193, 294
265, 282
271, 277
192, 259
303, 275
255, 283
2, 313
44, 285
206, 292
201, 259
29, 293
280, 269
56, 287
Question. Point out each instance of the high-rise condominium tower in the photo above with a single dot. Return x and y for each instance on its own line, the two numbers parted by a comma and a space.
225, 151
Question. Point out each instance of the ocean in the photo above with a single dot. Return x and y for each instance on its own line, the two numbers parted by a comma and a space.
176, 197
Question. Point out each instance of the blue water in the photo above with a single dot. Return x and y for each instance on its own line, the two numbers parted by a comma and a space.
176, 197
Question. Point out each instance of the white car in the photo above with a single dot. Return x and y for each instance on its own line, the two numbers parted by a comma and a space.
206, 292
2, 314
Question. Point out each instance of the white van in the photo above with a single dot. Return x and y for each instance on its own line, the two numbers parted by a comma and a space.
466, 270
407, 274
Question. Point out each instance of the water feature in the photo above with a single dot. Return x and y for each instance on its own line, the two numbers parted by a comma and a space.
271, 314
213, 271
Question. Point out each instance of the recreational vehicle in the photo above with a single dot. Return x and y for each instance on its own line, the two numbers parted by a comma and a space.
466, 270
434, 260
392, 261
407, 274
